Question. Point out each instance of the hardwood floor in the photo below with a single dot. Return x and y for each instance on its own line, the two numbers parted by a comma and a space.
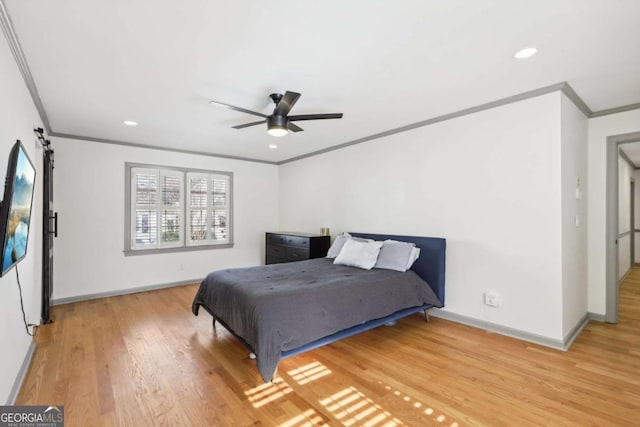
144, 359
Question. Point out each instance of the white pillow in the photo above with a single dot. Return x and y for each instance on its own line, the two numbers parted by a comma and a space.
415, 253
395, 255
359, 254
337, 245
335, 249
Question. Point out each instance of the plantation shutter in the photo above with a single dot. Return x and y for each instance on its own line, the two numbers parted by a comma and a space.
220, 208
145, 200
197, 209
171, 208
157, 198
207, 209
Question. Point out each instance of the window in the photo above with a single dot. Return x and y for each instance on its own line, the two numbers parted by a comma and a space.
172, 209
207, 208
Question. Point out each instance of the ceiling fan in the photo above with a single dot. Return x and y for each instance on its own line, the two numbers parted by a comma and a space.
280, 123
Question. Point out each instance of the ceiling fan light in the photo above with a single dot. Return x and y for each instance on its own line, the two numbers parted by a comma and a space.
277, 125
525, 53
277, 131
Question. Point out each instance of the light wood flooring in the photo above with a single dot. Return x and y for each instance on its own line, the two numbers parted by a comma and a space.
144, 359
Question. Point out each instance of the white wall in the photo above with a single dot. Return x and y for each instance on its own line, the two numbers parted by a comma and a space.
625, 174
89, 197
18, 117
487, 182
574, 206
599, 129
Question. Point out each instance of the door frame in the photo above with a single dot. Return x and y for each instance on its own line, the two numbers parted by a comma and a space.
632, 222
611, 235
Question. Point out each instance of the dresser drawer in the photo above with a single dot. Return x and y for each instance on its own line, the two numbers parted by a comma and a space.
275, 238
288, 247
296, 254
275, 260
296, 241
276, 250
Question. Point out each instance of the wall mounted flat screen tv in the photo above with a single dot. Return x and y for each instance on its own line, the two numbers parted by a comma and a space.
15, 211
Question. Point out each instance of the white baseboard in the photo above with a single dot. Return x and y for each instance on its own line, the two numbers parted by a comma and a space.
22, 373
563, 344
87, 297
575, 331
597, 317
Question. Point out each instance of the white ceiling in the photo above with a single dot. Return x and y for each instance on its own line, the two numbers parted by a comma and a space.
383, 64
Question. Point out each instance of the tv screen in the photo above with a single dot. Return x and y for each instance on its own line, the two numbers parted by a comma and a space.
15, 212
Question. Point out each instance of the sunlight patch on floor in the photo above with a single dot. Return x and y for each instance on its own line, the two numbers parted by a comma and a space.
352, 407
307, 418
268, 392
418, 405
309, 372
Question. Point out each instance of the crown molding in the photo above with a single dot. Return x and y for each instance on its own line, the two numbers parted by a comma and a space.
577, 101
465, 112
153, 147
615, 110
18, 54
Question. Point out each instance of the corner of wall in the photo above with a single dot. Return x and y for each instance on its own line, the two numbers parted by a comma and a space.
574, 215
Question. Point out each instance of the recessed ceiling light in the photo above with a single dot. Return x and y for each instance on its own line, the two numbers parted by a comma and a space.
273, 146
525, 53
130, 123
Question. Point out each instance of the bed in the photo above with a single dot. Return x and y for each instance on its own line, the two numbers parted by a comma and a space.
281, 310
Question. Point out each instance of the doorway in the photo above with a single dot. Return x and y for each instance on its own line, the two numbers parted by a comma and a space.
612, 222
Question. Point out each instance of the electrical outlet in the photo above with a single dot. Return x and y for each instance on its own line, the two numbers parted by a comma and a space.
491, 299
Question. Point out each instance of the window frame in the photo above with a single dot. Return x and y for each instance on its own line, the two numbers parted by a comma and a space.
184, 245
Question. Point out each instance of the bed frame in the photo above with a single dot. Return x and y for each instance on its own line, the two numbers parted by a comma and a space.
430, 266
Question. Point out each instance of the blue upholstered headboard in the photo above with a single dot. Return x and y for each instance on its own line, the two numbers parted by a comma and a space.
430, 266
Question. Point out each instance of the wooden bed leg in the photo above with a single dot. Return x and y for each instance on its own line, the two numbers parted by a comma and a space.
426, 316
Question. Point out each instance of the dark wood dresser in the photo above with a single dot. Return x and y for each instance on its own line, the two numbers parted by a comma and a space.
286, 247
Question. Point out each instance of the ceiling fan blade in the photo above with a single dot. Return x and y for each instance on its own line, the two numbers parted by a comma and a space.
242, 110
315, 116
286, 103
246, 125
293, 127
